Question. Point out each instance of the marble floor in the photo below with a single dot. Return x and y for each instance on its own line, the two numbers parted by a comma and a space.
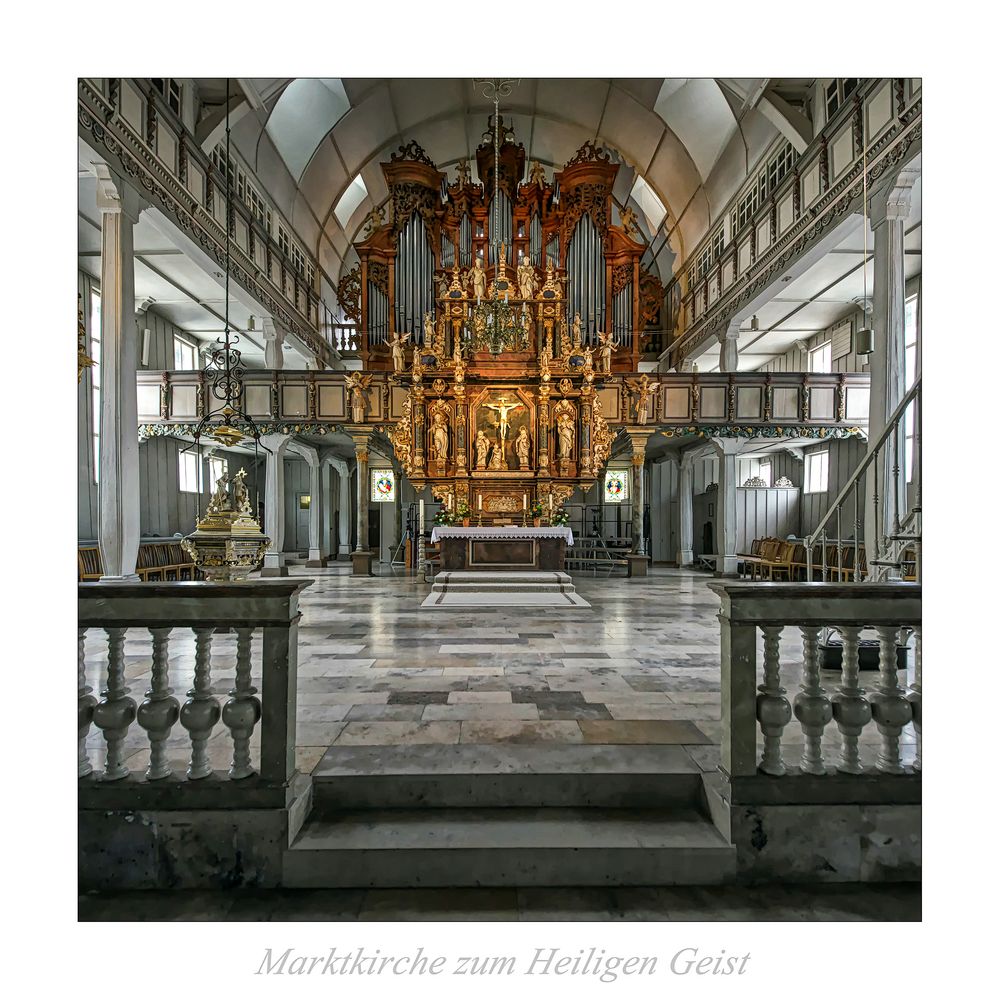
873, 902
640, 666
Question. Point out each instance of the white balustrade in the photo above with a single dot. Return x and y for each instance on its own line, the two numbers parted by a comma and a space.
242, 711
755, 709
169, 614
773, 710
201, 711
85, 705
160, 710
115, 712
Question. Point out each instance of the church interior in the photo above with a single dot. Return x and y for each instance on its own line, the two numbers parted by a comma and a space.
506, 491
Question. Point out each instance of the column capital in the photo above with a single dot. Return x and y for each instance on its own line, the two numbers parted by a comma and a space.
892, 202
338, 463
275, 443
691, 455
306, 451
729, 446
639, 436
114, 195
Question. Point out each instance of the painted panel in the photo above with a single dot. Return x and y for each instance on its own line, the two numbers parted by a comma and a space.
332, 402
857, 402
810, 185
727, 273
786, 213
677, 403
821, 403
748, 402
293, 401
373, 410
183, 400
610, 404
148, 401
196, 182
763, 237
713, 403
258, 399
166, 147
131, 106
879, 111
396, 399
744, 260
842, 152
785, 403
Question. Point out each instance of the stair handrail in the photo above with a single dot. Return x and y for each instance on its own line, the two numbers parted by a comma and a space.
891, 425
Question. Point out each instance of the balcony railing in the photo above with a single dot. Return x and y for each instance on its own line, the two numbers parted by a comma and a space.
765, 404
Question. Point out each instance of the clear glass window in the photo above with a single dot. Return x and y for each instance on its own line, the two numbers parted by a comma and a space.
189, 481
817, 472
821, 358
95, 378
185, 355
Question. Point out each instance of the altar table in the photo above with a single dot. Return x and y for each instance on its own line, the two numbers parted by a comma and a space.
503, 548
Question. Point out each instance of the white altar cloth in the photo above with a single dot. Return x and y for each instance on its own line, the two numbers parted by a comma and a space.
502, 532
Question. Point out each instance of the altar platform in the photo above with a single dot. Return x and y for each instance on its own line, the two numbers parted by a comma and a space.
498, 588
507, 547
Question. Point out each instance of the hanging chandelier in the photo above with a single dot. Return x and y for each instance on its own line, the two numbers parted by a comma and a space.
227, 543
497, 323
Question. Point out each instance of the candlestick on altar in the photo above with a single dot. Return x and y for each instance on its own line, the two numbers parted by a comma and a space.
525, 501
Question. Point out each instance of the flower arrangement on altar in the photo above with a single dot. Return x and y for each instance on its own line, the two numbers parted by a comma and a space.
536, 509
444, 518
560, 518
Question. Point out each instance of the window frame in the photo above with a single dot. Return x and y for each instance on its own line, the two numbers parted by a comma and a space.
183, 458
821, 457
214, 462
825, 351
769, 478
911, 348
184, 344
95, 380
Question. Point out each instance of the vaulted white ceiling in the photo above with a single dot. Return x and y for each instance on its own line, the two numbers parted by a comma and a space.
308, 140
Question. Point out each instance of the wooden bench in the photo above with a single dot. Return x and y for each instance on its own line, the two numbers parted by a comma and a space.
155, 561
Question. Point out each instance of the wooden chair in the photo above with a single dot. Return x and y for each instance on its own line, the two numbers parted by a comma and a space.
748, 559
779, 565
89, 563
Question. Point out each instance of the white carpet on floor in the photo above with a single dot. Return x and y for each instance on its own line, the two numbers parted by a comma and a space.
496, 588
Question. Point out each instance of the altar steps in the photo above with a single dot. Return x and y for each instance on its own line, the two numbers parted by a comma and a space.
507, 815
490, 588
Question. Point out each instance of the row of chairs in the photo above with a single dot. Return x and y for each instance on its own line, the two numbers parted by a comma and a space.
156, 561
781, 559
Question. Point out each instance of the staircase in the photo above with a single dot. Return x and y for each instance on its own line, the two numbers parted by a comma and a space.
896, 515
507, 815
490, 588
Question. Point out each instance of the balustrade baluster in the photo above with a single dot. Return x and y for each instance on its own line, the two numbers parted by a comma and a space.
890, 708
840, 548
850, 707
160, 710
201, 711
823, 564
878, 521
115, 712
857, 532
915, 695
242, 711
85, 705
812, 706
773, 710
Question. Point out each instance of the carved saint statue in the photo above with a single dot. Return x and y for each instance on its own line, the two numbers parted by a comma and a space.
478, 277
357, 383
375, 219
482, 449
439, 437
537, 175
526, 279
397, 344
241, 497
457, 358
220, 498
462, 169
566, 432
527, 321
522, 448
544, 359
443, 284
641, 390
608, 345
428, 332
577, 331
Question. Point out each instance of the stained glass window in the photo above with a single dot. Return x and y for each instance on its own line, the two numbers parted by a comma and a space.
383, 486
615, 486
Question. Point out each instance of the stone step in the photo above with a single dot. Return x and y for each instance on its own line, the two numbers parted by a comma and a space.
498, 775
399, 848
465, 588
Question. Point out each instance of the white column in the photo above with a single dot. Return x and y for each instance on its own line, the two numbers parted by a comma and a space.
890, 209
361, 557
118, 489
727, 450
343, 508
685, 496
274, 503
728, 349
274, 339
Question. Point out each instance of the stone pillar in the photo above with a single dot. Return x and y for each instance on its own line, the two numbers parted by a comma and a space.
275, 446
685, 496
361, 557
728, 348
118, 488
274, 339
318, 505
343, 509
727, 450
889, 210
638, 560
